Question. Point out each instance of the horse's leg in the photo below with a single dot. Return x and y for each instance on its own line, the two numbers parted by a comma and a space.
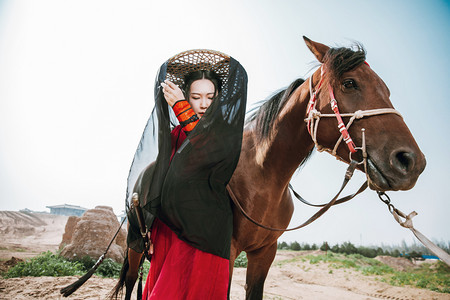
134, 262
128, 275
233, 254
259, 262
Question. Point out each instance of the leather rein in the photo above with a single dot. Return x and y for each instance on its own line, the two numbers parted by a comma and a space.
312, 120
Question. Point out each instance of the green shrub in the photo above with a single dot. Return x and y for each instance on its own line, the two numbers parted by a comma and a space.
283, 246
349, 263
433, 277
87, 261
295, 246
305, 246
109, 268
335, 249
46, 264
325, 246
376, 270
316, 259
241, 261
145, 270
52, 264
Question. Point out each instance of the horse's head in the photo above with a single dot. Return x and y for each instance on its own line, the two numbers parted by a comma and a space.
394, 161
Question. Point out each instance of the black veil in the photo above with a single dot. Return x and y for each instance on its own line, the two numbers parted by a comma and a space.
189, 193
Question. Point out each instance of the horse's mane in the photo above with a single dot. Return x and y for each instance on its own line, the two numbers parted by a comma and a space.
337, 61
267, 112
262, 118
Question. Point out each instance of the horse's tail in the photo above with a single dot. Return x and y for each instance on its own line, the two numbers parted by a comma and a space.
116, 292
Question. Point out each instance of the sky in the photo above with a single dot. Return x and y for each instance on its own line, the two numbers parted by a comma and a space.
76, 89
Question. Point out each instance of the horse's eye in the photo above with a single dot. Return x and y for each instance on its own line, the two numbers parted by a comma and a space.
349, 84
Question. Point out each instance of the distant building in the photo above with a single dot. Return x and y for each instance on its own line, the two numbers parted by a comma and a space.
122, 216
67, 210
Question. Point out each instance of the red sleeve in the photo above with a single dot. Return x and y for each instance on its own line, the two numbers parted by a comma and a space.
186, 116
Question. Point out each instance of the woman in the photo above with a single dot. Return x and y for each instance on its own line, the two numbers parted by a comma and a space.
178, 270
186, 189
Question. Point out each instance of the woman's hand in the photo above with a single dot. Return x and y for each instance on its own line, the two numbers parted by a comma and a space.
172, 92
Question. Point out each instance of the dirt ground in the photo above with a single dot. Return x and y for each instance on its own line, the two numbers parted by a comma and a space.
25, 235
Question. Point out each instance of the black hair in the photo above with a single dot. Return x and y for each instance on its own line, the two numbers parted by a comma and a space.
202, 74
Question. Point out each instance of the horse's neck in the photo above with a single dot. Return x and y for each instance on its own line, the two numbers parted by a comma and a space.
289, 142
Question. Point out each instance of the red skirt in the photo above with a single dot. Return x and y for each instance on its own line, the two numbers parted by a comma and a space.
180, 271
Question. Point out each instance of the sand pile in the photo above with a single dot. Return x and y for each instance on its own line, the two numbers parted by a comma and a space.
25, 234
6, 265
68, 231
90, 235
397, 263
14, 223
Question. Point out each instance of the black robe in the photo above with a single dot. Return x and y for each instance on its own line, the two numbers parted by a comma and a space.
189, 193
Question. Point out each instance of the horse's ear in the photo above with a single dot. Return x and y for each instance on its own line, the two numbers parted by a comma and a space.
317, 49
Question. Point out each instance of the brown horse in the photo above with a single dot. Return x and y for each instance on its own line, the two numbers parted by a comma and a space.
277, 141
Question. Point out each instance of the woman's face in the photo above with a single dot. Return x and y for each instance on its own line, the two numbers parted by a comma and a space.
201, 95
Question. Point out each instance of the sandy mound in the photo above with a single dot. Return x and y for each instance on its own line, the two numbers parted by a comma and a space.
14, 223
397, 263
28, 234
92, 233
7, 264
68, 231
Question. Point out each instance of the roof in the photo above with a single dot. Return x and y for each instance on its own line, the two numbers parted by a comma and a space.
67, 206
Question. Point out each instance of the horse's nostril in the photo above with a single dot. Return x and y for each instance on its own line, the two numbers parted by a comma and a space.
403, 161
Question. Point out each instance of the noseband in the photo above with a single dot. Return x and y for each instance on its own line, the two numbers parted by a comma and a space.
313, 119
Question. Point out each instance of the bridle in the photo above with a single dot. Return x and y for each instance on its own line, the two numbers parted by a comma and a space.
313, 118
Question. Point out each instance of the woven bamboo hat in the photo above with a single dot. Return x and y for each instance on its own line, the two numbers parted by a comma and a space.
198, 59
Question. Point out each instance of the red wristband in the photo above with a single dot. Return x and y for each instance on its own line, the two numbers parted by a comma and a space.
185, 115
180, 106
